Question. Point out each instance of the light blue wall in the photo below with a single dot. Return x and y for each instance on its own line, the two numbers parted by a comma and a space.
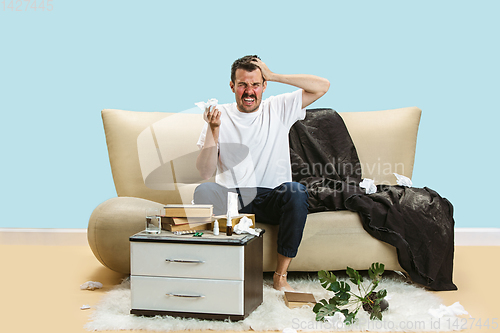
60, 68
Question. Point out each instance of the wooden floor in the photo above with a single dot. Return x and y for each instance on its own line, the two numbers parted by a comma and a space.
40, 287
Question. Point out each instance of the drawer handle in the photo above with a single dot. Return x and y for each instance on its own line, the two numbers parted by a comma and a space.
187, 296
186, 261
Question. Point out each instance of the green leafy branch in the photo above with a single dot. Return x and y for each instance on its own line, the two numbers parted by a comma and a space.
371, 301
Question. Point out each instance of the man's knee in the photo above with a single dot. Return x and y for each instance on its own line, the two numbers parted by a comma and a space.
295, 191
204, 192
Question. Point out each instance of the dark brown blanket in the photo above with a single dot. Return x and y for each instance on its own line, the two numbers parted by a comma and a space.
418, 222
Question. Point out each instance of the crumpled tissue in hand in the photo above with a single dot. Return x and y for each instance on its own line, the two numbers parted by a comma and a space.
91, 285
244, 226
403, 180
455, 309
204, 105
368, 185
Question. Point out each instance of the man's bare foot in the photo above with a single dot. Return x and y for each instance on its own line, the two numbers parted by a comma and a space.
280, 283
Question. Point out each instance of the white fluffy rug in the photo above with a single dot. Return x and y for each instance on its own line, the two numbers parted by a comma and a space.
408, 311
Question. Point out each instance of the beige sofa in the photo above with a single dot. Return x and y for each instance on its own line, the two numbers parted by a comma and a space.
152, 157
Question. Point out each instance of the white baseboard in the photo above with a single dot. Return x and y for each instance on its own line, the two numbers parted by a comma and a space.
477, 236
45, 236
15, 236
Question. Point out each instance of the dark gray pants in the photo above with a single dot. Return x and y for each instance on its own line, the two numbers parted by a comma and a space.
285, 205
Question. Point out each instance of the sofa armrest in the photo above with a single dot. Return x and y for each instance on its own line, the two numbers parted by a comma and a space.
110, 226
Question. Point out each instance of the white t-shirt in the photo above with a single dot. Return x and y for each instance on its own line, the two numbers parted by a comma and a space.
253, 147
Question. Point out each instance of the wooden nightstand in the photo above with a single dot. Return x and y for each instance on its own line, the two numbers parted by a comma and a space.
210, 277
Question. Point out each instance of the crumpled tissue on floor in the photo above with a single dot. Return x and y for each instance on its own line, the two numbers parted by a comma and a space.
91, 285
455, 309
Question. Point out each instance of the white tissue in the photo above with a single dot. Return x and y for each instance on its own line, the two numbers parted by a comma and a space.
289, 330
400, 273
455, 309
368, 185
232, 206
403, 180
91, 285
204, 105
337, 320
244, 226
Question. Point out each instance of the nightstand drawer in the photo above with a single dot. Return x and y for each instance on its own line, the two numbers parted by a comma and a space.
187, 295
187, 260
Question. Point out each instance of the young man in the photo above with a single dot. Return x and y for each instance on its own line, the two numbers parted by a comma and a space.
246, 142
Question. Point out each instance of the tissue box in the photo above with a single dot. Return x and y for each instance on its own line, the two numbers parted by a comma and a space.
235, 220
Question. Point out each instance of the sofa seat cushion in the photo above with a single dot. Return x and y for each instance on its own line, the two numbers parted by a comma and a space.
332, 241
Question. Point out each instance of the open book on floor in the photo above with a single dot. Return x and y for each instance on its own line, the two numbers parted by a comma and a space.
294, 299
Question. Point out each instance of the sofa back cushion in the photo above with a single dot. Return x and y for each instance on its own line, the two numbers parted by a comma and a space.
153, 154
385, 141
